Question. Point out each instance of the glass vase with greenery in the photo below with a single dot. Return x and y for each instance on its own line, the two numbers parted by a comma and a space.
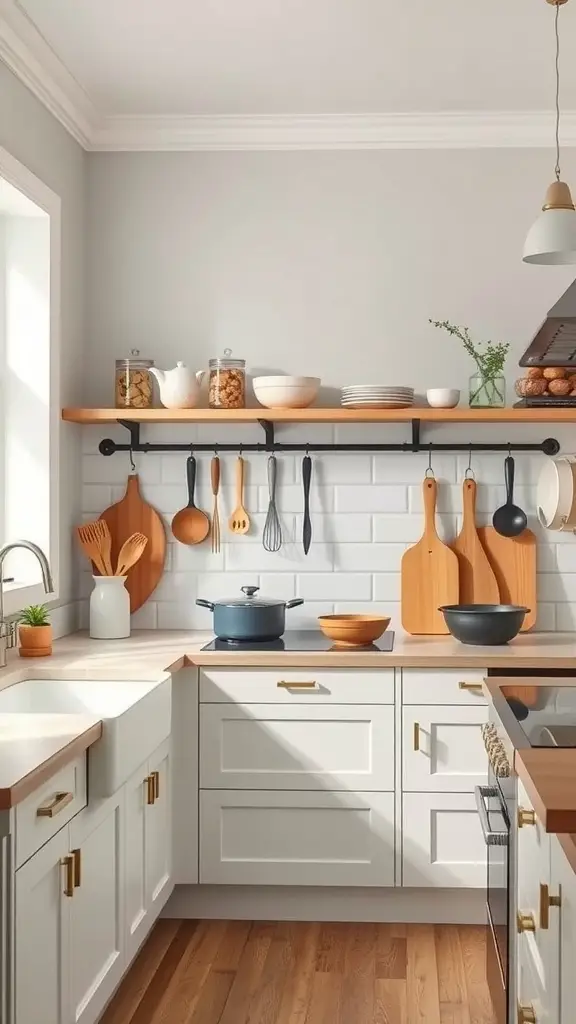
487, 387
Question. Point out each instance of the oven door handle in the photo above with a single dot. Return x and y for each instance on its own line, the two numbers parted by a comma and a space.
491, 838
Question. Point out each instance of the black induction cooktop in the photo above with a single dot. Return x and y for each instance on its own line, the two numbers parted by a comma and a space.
547, 714
300, 640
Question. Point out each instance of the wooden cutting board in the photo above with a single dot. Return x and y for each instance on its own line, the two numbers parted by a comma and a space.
513, 560
478, 584
131, 515
429, 574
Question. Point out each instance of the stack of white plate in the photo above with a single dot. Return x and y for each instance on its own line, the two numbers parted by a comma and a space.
377, 396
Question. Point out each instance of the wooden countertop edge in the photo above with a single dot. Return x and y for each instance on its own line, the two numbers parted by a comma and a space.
349, 659
28, 783
549, 777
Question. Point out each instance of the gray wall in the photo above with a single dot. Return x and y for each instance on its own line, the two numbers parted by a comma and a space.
32, 135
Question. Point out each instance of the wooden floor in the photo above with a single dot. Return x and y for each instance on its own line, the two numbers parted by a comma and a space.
235, 972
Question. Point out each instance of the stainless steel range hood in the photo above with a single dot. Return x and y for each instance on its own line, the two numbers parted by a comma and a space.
554, 344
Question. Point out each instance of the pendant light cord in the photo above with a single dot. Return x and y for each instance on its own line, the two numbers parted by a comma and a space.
557, 36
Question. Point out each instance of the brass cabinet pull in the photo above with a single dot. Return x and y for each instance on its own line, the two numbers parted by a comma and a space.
77, 857
526, 1014
470, 686
54, 805
68, 864
547, 901
416, 735
525, 922
156, 778
285, 684
526, 817
149, 783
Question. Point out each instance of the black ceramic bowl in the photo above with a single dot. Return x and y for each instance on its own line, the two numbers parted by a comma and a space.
484, 624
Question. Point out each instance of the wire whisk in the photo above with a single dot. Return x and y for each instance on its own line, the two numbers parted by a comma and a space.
215, 476
272, 536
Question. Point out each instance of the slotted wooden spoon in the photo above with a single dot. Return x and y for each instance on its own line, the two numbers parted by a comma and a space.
131, 550
96, 541
239, 521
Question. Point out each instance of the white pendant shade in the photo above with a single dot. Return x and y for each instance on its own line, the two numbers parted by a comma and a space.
552, 238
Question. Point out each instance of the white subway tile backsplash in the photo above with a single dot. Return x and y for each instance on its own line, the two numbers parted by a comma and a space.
335, 586
366, 509
371, 498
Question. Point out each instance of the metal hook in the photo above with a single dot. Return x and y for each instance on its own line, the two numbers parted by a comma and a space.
429, 474
469, 474
132, 463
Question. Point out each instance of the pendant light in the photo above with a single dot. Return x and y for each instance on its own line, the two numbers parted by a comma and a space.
552, 238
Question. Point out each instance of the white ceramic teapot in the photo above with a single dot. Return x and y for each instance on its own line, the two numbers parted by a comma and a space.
180, 387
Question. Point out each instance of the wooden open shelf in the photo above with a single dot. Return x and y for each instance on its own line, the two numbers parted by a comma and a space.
315, 415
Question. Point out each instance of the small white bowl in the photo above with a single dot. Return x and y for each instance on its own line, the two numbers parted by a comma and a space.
286, 392
443, 398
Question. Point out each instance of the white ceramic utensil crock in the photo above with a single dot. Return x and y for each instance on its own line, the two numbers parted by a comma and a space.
556, 494
109, 608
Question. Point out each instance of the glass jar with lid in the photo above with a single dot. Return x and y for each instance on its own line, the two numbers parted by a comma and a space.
227, 388
133, 388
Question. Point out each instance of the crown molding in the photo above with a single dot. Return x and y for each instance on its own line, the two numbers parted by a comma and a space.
446, 130
25, 51
27, 54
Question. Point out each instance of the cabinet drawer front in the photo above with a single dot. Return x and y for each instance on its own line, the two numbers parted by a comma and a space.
442, 839
442, 686
49, 807
443, 749
263, 746
275, 838
323, 686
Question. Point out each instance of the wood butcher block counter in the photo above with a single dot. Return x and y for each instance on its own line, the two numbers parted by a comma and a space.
28, 757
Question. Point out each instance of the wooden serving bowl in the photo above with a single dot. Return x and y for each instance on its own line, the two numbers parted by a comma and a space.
353, 630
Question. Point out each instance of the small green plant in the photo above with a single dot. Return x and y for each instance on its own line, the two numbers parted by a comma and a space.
35, 615
489, 356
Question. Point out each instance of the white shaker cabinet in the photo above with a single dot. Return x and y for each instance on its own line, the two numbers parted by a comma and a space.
562, 994
41, 936
443, 750
148, 845
442, 841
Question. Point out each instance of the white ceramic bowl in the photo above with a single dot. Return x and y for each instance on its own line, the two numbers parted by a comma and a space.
443, 398
286, 392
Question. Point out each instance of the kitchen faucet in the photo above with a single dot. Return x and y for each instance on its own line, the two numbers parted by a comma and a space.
6, 628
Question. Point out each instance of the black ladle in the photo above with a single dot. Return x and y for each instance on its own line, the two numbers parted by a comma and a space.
509, 520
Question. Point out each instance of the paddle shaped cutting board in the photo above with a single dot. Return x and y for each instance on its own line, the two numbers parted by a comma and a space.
478, 584
131, 515
513, 560
429, 574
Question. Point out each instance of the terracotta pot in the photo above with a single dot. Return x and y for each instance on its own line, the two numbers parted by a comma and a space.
35, 641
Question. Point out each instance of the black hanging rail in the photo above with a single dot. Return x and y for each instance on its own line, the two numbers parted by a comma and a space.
549, 446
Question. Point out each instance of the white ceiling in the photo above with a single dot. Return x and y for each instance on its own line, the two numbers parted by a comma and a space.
306, 57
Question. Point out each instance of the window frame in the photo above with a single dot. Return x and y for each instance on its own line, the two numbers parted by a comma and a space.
18, 595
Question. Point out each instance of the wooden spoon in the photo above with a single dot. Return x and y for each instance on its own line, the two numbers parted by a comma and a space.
191, 525
131, 550
239, 521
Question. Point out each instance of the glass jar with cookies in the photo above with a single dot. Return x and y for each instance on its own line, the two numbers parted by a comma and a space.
227, 387
133, 387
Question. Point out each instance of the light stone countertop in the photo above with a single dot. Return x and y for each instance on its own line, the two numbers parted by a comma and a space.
44, 744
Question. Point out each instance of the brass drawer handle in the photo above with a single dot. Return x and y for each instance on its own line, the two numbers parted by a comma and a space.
526, 1014
526, 817
525, 922
68, 864
77, 858
285, 684
416, 737
156, 778
55, 805
149, 783
470, 686
547, 901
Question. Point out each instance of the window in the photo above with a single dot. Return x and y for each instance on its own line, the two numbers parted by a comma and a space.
29, 376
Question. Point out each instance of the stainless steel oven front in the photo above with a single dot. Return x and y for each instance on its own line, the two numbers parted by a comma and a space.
496, 805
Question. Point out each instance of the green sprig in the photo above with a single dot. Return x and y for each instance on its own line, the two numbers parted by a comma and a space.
489, 356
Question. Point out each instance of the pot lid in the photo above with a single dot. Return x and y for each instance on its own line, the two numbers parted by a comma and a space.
249, 600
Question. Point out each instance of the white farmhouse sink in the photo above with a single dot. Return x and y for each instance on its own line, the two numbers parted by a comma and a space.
135, 716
